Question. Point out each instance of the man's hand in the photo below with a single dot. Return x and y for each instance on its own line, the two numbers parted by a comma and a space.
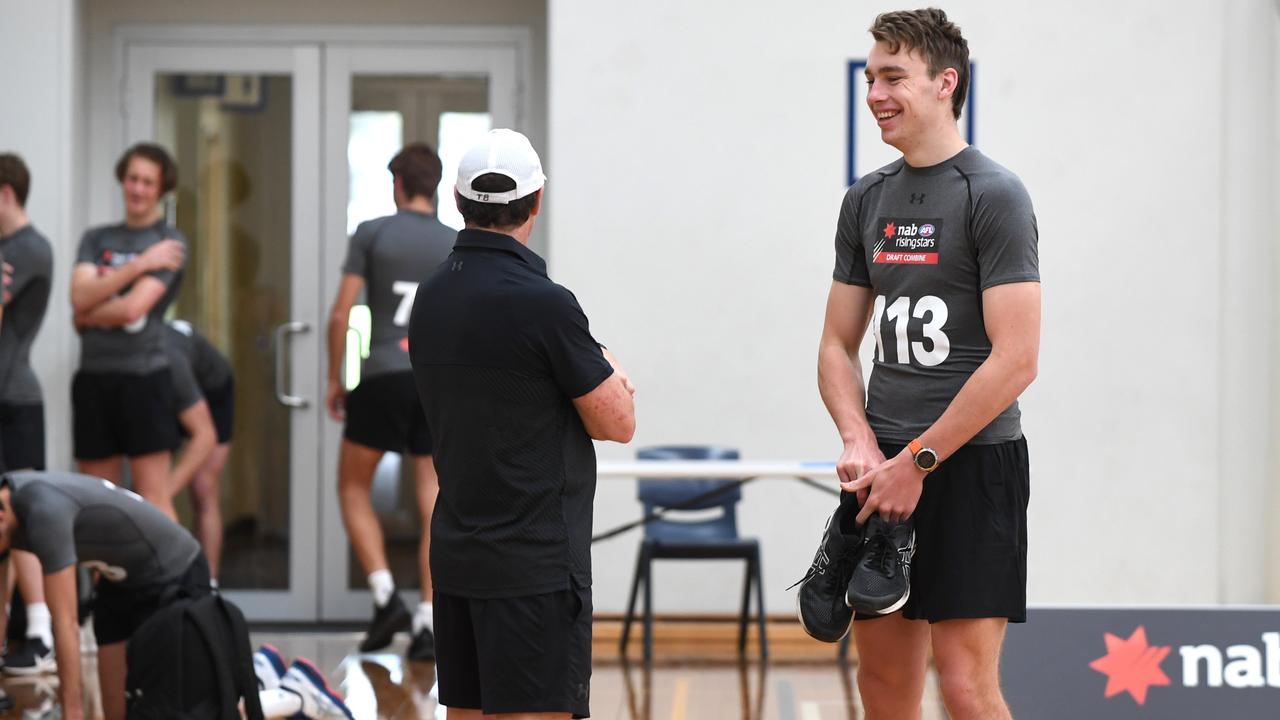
617, 369
336, 399
895, 487
8, 280
856, 460
164, 255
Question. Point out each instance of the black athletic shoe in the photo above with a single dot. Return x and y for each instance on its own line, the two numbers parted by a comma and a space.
881, 582
387, 621
423, 645
33, 657
820, 603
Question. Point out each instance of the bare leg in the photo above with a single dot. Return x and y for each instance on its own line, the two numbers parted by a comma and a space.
151, 480
428, 489
356, 465
30, 576
111, 676
206, 500
967, 653
892, 658
466, 714
111, 468
529, 716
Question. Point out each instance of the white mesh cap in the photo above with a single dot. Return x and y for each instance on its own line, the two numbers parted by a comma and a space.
505, 152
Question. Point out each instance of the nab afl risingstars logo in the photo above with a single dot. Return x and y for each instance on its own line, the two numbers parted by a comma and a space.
911, 241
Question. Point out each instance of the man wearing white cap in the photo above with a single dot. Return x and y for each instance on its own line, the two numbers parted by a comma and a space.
515, 388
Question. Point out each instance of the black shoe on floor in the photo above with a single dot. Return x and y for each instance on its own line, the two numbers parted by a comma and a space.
387, 621
820, 604
32, 658
423, 645
881, 582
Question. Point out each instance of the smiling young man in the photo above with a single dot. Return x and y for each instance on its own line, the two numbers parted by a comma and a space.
937, 252
125, 277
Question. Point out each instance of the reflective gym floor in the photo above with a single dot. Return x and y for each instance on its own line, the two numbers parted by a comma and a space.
695, 674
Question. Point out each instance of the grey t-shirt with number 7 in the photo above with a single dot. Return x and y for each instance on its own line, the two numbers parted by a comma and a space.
928, 242
393, 254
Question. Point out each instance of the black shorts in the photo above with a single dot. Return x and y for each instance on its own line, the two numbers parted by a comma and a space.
971, 536
22, 437
515, 655
222, 402
383, 413
222, 406
118, 610
123, 414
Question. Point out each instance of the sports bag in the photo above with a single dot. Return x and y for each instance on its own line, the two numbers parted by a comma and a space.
191, 660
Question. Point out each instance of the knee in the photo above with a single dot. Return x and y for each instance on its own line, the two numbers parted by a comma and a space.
881, 683
967, 691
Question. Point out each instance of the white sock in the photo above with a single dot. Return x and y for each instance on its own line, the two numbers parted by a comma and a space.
280, 703
382, 585
423, 618
40, 623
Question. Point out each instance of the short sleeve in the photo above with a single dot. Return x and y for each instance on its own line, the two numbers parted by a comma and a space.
88, 250
851, 259
1005, 234
563, 336
32, 265
357, 262
48, 522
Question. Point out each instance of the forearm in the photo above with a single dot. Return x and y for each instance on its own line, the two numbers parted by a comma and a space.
60, 595
115, 312
840, 384
89, 289
337, 345
992, 388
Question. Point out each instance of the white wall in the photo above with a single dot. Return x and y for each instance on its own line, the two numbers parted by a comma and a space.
699, 165
40, 50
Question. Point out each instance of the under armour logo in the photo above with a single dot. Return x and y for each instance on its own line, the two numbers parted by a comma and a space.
917, 198
457, 265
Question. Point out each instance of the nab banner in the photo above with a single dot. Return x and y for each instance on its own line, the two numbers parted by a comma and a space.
1135, 664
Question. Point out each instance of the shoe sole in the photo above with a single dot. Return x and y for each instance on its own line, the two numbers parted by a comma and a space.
803, 624
43, 667
895, 607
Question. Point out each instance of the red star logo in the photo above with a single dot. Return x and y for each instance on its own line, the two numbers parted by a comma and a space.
1132, 665
888, 229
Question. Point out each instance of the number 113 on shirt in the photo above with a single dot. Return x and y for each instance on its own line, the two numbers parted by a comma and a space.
929, 308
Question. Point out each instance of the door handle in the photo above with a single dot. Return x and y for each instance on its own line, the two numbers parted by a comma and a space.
283, 331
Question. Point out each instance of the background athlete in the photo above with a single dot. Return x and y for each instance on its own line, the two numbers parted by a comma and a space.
126, 275
22, 432
387, 258
938, 253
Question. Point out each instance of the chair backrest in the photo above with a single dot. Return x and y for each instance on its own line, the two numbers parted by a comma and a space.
657, 494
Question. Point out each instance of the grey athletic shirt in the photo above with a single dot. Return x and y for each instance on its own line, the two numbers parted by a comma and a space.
65, 518
927, 242
32, 259
393, 254
211, 368
136, 350
186, 391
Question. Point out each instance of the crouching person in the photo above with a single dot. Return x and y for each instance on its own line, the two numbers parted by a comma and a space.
145, 562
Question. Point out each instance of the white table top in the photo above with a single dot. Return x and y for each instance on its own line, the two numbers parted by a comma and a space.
719, 469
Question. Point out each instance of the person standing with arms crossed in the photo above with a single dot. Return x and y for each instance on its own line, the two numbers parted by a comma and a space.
22, 435
937, 251
126, 275
515, 388
387, 259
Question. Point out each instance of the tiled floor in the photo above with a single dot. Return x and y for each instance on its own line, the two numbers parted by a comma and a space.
689, 680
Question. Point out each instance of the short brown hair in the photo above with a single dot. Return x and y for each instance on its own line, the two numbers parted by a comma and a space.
418, 168
496, 215
14, 173
157, 155
937, 39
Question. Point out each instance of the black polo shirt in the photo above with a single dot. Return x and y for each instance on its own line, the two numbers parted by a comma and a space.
499, 352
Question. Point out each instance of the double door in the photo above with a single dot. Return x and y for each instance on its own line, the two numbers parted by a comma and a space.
282, 150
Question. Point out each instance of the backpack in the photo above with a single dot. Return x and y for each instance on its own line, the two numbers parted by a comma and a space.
191, 660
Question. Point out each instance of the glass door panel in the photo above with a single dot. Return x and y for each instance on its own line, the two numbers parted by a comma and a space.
242, 124
378, 105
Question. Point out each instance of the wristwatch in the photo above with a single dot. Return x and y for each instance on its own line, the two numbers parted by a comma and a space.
925, 458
